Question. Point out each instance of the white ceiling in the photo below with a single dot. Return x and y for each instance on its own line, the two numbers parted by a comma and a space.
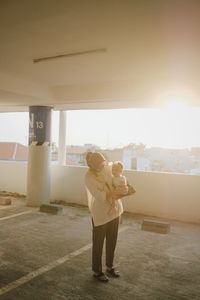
152, 51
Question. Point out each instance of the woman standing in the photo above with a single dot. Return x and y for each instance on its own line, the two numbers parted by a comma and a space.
105, 226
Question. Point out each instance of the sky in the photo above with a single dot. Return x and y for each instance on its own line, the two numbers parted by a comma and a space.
173, 127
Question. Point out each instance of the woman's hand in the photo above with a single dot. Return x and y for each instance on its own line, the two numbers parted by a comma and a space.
109, 197
121, 190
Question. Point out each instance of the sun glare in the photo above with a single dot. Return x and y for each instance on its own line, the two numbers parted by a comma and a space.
177, 100
177, 119
177, 105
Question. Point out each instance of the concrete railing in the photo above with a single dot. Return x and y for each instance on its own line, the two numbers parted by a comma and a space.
174, 196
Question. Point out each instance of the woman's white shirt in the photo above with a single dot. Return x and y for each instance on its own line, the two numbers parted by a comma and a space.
97, 202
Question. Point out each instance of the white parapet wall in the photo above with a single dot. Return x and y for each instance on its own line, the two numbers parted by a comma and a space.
13, 176
67, 183
164, 195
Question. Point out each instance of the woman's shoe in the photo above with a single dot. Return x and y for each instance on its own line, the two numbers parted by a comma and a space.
113, 272
101, 277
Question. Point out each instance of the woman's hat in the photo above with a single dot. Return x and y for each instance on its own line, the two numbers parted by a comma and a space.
94, 160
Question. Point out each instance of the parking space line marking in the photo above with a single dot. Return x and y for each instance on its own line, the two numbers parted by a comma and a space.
6, 207
19, 214
48, 267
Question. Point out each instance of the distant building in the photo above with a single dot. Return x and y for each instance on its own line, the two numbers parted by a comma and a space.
158, 159
153, 159
113, 155
13, 151
195, 172
127, 157
76, 154
143, 164
195, 151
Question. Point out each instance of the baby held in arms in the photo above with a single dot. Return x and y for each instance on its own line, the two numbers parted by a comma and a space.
118, 181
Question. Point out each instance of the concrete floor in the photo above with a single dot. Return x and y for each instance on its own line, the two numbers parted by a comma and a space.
153, 266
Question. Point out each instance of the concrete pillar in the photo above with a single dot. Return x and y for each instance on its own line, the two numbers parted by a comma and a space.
39, 157
62, 138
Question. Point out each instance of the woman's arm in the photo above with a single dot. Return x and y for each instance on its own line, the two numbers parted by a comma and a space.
93, 187
119, 192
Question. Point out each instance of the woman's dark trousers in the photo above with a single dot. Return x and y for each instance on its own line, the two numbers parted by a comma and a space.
110, 232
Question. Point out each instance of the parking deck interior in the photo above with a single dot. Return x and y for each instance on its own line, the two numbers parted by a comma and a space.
46, 256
